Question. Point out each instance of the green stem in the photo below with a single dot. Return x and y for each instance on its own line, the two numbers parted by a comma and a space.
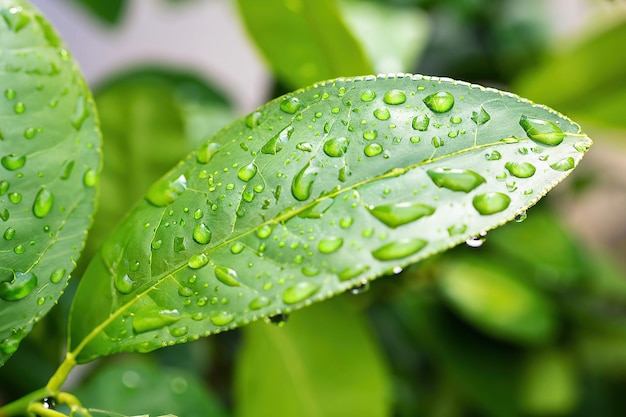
61, 374
21, 406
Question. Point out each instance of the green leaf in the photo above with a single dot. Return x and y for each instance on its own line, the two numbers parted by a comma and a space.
109, 11
322, 362
49, 167
389, 50
303, 41
142, 388
315, 193
151, 118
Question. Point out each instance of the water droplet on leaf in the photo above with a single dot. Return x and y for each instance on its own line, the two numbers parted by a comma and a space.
542, 131
382, 113
154, 318
440, 102
336, 147
373, 149
207, 151
303, 181
165, 192
394, 97
277, 142
227, 276
398, 214
300, 292
198, 261
490, 203
13, 162
201, 234
247, 172
399, 249
221, 318
291, 105
564, 164
480, 117
455, 179
43, 203
20, 287
520, 169
330, 244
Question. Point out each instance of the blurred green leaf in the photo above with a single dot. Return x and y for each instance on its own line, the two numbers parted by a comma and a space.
49, 167
304, 41
138, 387
586, 80
109, 11
394, 50
322, 362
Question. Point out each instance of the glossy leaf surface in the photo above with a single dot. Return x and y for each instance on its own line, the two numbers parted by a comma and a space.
304, 41
315, 193
49, 167
320, 363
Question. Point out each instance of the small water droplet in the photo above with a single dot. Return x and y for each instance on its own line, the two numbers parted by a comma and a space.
382, 113
480, 117
303, 182
520, 169
542, 131
370, 135
227, 276
207, 151
123, 283
254, 119
456, 120
19, 249
30, 132
440, 102
398, 214
520, 217
154, 318
259, 303
4, 187
582, 146
81, 112
368, 95
198, 214
13, 162
201, 234
9, 93
278, 141
264, 231
457, 229
310, 270
330, 244
43, 203
221, 318
336, 147
9, 233
15, 18
360, 289
455, 179
236, 248
278, 319
476, 241
156, 244
247, 172
352, 272
19, 107
346, 222
493, 156
198, 261
179, 332
373, 149
15, 198
165, 192
90, 178
185, 291
291, 105
490, 203
394, 97
399, 249
300, 292
20, 287
304, 147
564, 164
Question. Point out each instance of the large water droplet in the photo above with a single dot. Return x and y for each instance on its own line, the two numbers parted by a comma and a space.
15, 18
227, 276
291, 105
221, 318
493, 156
264, 231
382, 113
440, 102
9, 233
259, 303
303, 181
542, 131
19, 107
373, 149
564, 164
43, 203
198, 261
421, 122
123, 283
81, 113
154, 318
336, 147
206, 152
490, 203
90, 178
165, 192
201, 234
330, 244
300, 292
394, 97
399, 249
278, 141
520, 169
247, 172
368, 95
22, 284
455, 179
394, 215
15, 198
13, 162
253, 119
481, 117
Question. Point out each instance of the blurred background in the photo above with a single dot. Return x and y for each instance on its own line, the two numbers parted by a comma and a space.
529, 320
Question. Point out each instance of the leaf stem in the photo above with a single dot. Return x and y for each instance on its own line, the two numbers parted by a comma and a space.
21, 406
56, 381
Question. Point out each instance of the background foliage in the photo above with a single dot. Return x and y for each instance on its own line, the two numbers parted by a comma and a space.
423, 350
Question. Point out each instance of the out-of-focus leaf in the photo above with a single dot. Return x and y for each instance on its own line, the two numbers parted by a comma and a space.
322, 362
586, 81
109, 11
49, 167
549, 385
394, 50
315, 193
151, 119
140, 388
303, 41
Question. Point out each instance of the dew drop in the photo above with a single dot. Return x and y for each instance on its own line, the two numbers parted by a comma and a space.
455, 179
236, 248
277, 142
291, 105
382, 113
520, 217
227, 276
19, 108
346, 222
154, 318
264, 231
373, 149
399, 249
9, 233
330, 244
336, 147
81, 112
20, 287
198, 261
360, 289
15, 18
30, 132
300, 292
19, 249
304, 147
207, 151
368, 95
310, 270
123, 283
421, 122
564, 164
254, 119
457, 229
278, 319
4, 187
259, 303
370, 135
201, 234
582, 146
480, 117
9, 93
90, 178
165, 192
185, 291
493, 156
456, 120
15, 198
476, 241
542, 131
440, 102
13, 162
43, 203
179, 332
303, 182
520, 169
198, 214
490, 203
398, 214
247, 172
352, 272
221, 318
394, 97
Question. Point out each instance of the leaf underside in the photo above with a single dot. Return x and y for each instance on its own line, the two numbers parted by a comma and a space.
317, 192
49, 165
